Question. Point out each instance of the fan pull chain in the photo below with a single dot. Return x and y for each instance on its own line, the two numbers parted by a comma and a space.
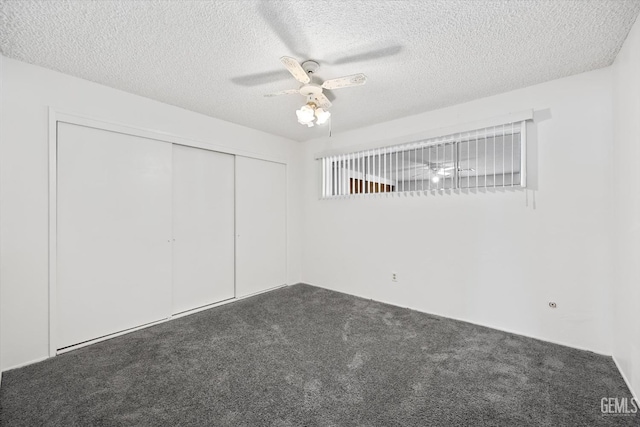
330, 125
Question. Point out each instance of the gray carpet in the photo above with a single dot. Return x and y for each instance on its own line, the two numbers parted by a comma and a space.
307, 356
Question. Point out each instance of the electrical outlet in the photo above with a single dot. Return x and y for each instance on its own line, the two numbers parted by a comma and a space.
553, 305
394, 276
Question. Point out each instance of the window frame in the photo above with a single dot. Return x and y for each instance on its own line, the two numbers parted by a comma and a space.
336, 182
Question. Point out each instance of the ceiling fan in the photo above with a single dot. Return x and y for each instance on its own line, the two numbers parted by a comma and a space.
437, 171
315, 111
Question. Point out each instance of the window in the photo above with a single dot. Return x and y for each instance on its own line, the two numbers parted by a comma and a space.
483, 158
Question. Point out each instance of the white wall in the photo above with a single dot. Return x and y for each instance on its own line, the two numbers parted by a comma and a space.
626, 283
1, 126
495, 258
28, 92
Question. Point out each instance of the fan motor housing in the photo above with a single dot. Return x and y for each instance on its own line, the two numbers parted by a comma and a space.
310, 89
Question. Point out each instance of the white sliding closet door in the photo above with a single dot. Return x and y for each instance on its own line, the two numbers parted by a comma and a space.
261, 205
203, 227
113, 233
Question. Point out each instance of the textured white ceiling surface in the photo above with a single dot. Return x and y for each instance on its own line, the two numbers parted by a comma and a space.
219, 57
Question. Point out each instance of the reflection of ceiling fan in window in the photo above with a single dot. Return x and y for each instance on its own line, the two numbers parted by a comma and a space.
436, 171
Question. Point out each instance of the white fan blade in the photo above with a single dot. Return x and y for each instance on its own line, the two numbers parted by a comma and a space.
284, 92
354, 80
295, 69
323, 101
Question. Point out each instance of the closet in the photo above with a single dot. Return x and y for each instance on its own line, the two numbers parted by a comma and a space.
203, 227
148, 229
261, 218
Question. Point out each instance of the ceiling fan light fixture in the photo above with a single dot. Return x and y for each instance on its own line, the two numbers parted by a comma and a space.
309, 115
306, 114
322, 116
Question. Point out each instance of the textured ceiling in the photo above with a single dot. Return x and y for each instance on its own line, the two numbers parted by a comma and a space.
219, 57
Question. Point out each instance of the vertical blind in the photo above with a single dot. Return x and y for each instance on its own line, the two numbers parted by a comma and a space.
482, 158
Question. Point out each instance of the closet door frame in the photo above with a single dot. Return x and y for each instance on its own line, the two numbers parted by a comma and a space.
59, 116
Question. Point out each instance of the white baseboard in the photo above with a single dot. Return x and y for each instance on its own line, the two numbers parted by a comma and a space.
262, 292
626, 380
474, 323
510, 331
217, 304
108, 337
